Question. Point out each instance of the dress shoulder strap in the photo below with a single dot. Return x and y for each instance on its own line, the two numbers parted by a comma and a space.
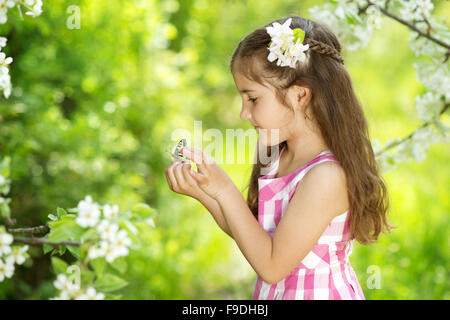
326, 155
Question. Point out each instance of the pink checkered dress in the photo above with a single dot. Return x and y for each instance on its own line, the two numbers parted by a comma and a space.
325, 272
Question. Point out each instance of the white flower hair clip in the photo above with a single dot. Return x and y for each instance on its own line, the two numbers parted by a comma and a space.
286, 44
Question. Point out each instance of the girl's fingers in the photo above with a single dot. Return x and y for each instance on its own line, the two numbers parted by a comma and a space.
198, 157
187, 175
181, 181
171, 177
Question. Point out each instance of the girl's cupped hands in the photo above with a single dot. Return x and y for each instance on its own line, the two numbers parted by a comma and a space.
210, 177
181, 181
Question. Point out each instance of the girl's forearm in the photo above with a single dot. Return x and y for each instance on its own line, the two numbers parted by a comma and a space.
213, 207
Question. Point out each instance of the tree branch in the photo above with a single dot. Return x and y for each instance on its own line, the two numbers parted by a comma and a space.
412, 26
396, 143
39, 241
32, 230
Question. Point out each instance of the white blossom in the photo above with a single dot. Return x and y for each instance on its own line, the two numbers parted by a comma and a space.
88, 212
429, 105
415, 9
64, 284
150, 222
283, 47
98, 250
6, 269
36, 8
4, 6
374, 17
110, 212
121, 242
91, 294
107, 230
18, 254
111, 253
435, 76
5, 240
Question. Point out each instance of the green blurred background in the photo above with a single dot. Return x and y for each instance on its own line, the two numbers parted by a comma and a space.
92, 112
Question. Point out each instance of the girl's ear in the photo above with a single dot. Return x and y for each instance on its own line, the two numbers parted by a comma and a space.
300, 96
304, 96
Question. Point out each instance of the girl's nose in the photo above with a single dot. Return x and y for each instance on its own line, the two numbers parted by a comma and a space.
245, 114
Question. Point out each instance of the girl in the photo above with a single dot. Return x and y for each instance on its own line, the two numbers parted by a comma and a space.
323, 190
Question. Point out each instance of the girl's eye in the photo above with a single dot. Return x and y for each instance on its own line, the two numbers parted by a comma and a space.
252, 100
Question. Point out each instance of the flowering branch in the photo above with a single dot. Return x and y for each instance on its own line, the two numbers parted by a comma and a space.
411, 25
398, 142
39, 241
354, 22
33, 230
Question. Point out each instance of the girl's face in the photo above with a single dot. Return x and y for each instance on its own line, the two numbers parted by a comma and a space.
261, 107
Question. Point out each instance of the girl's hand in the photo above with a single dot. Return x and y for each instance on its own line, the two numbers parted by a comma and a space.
210, 176
180, 181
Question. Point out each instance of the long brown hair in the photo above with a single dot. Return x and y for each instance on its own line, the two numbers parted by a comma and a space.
336, 111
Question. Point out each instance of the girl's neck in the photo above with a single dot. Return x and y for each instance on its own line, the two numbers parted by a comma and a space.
299, 151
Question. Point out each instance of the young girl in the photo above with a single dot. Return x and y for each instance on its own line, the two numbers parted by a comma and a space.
322, 191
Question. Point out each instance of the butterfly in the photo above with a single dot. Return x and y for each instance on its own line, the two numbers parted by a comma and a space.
176, 154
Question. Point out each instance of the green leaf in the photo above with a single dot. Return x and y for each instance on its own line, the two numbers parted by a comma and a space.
110, 296
142, 211
47, 248
5, 166
299, 34
98, 265
61, 250
65, 229
87, 277
109, 282
88, 235
75, 251
120, 264
130, 228
60, 212
59, 266
5, 210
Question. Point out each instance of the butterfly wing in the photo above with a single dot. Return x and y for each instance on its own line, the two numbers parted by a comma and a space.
176, 153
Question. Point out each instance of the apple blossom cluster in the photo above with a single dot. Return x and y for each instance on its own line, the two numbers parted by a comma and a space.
70, 290
415, 10
342, 17
286, 44
355, 30
34, 8
5, 78
9, 256
114, 242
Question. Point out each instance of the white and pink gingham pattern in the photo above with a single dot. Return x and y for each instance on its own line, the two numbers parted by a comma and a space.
325, 272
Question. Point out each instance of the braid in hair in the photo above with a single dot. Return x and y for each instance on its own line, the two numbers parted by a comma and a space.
323, 48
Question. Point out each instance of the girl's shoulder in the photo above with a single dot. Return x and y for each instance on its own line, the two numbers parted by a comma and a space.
327, 180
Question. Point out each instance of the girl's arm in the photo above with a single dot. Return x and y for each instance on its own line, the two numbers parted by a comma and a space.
214, 208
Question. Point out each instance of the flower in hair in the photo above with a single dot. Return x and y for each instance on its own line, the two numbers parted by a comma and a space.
286, 44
